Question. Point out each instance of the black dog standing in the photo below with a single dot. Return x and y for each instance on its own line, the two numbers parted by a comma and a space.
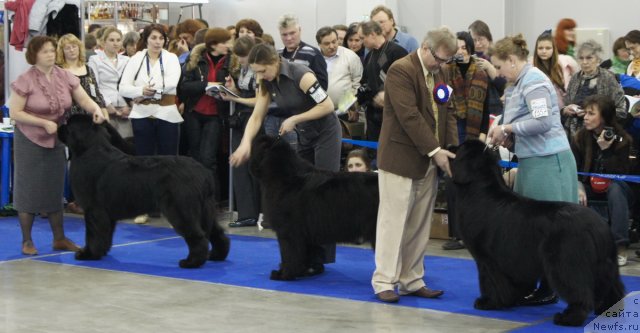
516, 240
111, 185
308, 207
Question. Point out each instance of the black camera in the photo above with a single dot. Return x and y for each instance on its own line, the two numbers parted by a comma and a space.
365, 94
609, 133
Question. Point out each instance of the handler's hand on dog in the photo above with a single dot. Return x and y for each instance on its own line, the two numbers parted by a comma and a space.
287, 125
98, 117
240, 156
442, 160
582, 197
50, 127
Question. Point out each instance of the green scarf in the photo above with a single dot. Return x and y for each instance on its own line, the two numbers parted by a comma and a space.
469, 94
619, 66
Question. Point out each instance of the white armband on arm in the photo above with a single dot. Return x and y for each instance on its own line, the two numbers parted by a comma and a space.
317, 93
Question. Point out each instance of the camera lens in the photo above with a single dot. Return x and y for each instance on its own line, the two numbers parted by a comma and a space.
608, 134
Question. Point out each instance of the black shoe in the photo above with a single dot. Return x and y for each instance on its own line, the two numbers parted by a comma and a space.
539, 298
244, 223
315, 269
454, 244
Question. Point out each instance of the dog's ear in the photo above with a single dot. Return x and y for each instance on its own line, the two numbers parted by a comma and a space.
452, 148
117, 141
465, 166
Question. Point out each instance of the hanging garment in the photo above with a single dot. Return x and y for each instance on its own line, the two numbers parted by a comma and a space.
20, 29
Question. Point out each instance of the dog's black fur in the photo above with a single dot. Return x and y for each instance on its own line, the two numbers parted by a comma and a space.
515, 241
307, 206
111, 185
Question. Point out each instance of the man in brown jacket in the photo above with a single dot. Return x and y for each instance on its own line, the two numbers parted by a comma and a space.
415, 128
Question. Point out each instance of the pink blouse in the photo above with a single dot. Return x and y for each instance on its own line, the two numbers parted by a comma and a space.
45, 99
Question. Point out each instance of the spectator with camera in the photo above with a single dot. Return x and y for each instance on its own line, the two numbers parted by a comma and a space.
602, 146
470, 84
590, 80
382, 54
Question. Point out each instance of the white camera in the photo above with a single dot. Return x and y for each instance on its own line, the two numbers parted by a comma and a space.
158, 94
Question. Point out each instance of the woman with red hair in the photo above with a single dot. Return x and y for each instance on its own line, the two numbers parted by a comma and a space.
565, 36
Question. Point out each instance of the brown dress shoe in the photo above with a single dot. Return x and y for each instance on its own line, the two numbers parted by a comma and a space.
29, 249
388, 296
426, 293
65, 245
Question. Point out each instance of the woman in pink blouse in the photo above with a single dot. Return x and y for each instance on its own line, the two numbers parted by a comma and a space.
38, 102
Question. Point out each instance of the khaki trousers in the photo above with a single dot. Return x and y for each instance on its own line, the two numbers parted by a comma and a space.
404, 224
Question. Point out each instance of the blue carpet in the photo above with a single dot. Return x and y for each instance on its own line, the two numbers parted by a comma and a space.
156, 251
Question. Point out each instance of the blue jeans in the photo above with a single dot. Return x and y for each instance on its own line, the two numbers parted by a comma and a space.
618, 198
272, 127
154, 136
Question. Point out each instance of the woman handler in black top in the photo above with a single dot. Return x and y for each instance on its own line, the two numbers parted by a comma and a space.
295, 89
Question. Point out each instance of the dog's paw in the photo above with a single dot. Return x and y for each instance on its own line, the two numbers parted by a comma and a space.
484, 303
191, 263
220, 250
281, 275
84, 254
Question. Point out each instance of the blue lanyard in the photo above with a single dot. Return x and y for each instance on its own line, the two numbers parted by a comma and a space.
161, 68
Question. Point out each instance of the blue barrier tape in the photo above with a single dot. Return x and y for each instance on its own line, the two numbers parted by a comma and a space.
507, 164
625, 178
362, 143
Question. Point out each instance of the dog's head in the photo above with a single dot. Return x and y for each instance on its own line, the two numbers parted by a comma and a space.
80, 134
274, 159
475, 162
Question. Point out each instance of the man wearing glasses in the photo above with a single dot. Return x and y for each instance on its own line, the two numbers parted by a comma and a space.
384, 17
415, 127
382, 54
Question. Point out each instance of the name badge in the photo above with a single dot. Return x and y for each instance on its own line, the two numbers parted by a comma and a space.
539, 108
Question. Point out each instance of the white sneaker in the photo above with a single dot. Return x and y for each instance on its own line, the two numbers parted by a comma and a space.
142, 219
622, 260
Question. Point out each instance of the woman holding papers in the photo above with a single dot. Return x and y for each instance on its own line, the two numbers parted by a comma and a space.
208, 65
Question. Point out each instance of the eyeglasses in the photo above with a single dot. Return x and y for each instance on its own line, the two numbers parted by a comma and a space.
586, 58
440, 60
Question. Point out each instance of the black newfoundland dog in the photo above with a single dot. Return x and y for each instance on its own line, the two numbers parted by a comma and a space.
515, 241
111, 185
309, 207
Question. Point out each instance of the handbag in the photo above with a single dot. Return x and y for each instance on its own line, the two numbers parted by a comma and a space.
599, 184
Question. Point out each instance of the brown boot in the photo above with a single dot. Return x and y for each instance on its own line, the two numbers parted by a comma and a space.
65, 245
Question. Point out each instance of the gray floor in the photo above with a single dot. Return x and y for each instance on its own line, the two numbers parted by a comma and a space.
37, 296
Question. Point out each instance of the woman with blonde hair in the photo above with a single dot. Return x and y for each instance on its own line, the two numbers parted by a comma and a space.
70, 55
108, 67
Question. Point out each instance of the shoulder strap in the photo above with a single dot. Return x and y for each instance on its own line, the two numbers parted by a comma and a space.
134, 78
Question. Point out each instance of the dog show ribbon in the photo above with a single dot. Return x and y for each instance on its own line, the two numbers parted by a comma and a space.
441, 93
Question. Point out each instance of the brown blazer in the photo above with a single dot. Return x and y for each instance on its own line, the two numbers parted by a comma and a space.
408, 123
